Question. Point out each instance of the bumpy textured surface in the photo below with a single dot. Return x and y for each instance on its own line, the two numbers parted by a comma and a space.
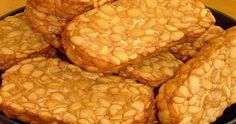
44, 23
187, 50
114, 35
153, 71
65, 8
41, 90
19, 41
203, 87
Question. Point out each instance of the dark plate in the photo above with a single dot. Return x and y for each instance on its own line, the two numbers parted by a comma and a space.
222, 20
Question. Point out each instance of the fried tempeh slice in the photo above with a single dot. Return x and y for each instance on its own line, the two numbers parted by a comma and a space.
185, 51
123, 32
44, 23
45, 91
153, 71
51, 16
65, 8
18, 41
204, 87
51, 26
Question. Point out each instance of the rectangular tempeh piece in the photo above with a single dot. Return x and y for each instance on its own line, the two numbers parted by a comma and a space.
204, 87
153, 71
185, 51
45, 23
65, 8
123, 32
46, 91
19, 41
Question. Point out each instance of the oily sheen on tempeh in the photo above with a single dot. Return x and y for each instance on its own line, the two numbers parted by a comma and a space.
18, 41
203, 87
45, 91
108, 38
153, 71
65, 8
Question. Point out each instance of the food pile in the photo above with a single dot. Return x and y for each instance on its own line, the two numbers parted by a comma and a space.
119, 52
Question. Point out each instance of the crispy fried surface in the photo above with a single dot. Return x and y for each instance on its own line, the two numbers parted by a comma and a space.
41, 90
19, 41
203, 87
154, 71
44, 23
187, 50
65, 8
114, 35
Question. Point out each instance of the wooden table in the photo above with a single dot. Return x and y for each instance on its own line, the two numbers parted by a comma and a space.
225, 6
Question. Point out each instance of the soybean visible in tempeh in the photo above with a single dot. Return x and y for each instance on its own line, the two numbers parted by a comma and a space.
46, 91
153, 71
204, 87
185, 51
44, 23
18, 41
66, 8
108, 38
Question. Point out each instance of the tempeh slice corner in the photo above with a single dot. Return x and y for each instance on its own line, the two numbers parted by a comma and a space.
45, 91
44, 23
51, 16
204, 87
19, 41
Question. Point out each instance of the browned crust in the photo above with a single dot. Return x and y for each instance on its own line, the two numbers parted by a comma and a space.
89, 46
185, 51
153, 71
65, 8
47, 90
44, 23
7, 61
203, 87
20, 41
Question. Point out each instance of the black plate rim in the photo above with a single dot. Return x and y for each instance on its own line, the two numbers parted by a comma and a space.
221, 13
18, 10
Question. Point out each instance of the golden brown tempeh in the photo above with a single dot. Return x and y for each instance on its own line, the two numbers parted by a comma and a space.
204, 87
65, 8
18, 41
51, 16
44, 23
46, 91
187, 50
153, 71
108, 38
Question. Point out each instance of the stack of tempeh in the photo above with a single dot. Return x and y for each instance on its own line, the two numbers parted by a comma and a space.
50, 17
121, 51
